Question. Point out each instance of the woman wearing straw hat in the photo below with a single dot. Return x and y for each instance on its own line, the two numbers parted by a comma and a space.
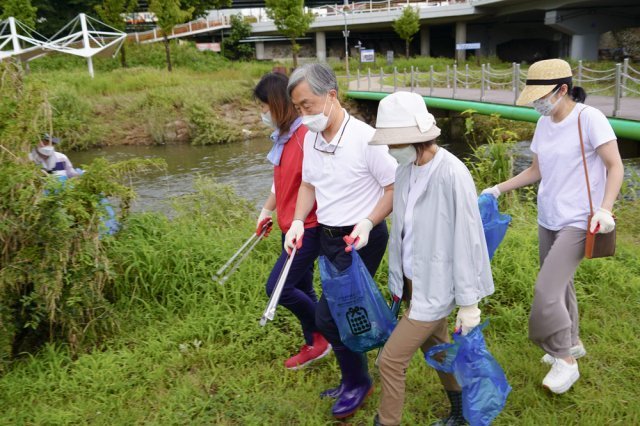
563, 207
438, 257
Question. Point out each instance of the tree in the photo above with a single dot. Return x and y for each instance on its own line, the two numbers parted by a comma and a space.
169, 14
21, 10
55, 14
201, 7
232, 48
406, 26
291, 20
111, 12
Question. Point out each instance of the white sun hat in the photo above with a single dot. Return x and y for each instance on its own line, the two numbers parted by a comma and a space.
403, 118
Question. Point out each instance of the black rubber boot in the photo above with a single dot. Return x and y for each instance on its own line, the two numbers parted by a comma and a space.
455, 417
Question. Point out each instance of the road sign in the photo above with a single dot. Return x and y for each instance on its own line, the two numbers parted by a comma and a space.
467, 46
367, 55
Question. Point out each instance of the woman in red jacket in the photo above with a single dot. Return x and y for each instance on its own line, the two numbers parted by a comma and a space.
286, 155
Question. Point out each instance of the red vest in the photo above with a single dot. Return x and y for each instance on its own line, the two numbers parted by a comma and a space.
287, 178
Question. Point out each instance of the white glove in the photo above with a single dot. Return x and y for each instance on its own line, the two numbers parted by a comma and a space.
468, 317
493, 191
604, 218
293, 237
360, 234
264, 213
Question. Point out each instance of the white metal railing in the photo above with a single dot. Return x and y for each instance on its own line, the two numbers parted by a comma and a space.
369, 6
623, 80
182, 30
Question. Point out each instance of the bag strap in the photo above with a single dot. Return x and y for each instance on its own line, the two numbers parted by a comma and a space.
584, 162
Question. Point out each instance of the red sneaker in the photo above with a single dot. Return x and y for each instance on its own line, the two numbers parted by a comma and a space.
308, 354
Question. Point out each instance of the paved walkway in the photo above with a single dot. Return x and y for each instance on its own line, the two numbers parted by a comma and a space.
629, 107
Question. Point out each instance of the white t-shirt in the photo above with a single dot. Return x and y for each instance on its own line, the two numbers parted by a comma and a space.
562, 196
418, 181
350, 182
56, 164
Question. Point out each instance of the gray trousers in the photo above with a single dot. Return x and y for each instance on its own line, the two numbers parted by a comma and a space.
553, 323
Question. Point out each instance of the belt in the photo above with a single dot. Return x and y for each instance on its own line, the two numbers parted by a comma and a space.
336, 231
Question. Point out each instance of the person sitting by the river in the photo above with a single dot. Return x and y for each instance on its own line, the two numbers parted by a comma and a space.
298, 294
563, 207
438, 257
50, 160
352, 183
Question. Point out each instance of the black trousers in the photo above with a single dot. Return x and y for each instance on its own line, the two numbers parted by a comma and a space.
332, 246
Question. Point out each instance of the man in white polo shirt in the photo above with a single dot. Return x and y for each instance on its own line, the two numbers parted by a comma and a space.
352, 183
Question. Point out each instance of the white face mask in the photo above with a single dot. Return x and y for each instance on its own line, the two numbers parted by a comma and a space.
404, 155
318, 122
266, 119
47, 151
544, 106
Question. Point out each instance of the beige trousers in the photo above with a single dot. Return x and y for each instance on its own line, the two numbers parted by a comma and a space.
407, 337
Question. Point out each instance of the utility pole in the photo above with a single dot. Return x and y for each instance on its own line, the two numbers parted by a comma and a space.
346, 37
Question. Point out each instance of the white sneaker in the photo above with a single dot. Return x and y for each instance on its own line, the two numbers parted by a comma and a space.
577, 351
561, 376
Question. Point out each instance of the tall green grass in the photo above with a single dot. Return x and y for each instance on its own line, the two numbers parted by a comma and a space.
190, 351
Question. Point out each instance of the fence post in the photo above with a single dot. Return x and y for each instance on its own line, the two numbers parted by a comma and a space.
448, 84
137, 39
404, 82
431, 80
517, 81
466, 76
455, 80
579, 82
381, 78
395, 79
155, 34
358, 79
625, 73
488, 71
417, 78
618, 89
412, 78
369, 79
482, 83
513, 82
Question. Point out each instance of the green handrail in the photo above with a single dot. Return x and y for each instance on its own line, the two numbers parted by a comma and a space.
627, 129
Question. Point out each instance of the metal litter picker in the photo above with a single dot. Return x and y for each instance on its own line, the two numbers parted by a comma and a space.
270, 312
230, 267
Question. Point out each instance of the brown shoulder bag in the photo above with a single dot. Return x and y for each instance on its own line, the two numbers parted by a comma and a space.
596, 245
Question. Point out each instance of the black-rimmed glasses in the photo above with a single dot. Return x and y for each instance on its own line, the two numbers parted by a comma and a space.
325, 151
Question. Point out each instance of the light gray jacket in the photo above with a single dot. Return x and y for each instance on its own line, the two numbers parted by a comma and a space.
450, 259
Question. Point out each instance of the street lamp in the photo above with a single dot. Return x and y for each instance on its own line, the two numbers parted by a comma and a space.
345, 33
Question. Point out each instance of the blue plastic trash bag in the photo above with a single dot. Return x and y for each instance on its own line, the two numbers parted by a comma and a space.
484, 385
363, 317
495, 224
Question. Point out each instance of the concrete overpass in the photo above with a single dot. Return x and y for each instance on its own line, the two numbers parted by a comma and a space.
515, 30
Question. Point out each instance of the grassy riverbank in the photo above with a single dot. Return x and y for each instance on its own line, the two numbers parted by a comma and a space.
189, 351
205, 100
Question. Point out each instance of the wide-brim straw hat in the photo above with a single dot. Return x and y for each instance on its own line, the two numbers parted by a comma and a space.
403, 118
543, 77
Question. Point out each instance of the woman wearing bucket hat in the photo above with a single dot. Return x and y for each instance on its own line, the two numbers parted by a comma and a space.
563, 207
438, 258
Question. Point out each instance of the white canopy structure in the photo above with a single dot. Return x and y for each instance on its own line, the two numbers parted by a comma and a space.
18, 40
79, 37
86, 41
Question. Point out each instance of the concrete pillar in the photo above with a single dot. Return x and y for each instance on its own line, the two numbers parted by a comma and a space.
321, 46
585, 46
425, 42
461, 37
260, 50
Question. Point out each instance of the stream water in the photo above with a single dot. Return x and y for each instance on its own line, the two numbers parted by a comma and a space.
242, 165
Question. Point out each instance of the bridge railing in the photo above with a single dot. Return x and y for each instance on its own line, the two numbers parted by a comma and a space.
177, 31
368, 6
487, 81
